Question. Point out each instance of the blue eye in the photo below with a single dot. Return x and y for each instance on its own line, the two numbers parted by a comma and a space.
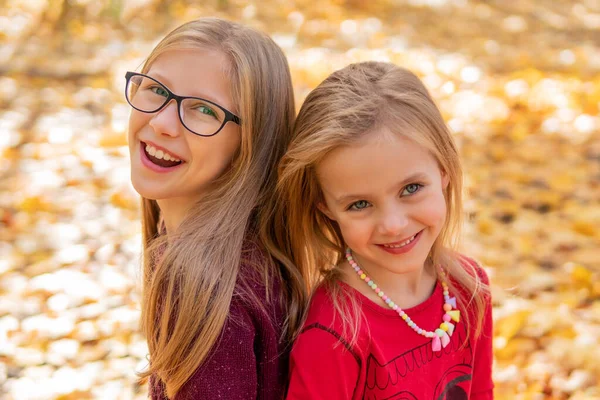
359, 205
411, 189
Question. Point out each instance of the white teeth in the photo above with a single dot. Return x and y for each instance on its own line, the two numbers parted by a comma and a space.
397, 246
154, 152
151, 150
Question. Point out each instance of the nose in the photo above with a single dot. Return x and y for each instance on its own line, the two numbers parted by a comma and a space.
166, 121
393, 221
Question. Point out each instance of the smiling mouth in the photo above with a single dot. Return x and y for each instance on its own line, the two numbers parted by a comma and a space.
159, 157
402, 244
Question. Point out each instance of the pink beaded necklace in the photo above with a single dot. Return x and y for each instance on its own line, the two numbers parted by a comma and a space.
441, 336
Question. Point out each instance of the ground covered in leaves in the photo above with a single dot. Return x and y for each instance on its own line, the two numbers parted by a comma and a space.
519, 83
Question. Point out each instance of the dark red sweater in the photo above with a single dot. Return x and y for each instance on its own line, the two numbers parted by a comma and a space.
390, 360
249, 361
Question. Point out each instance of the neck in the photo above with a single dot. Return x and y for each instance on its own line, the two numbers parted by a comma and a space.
173, 211
407, 289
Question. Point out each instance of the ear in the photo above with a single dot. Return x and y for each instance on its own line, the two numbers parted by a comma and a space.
325, 210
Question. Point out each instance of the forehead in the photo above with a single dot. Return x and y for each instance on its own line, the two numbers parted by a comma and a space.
200, 72
376, 165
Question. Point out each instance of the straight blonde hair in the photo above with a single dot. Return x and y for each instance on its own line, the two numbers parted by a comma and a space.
350, 104
190, 276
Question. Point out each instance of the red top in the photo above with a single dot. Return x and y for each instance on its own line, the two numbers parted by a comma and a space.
389, 360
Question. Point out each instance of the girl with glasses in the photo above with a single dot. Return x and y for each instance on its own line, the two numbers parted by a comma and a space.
212, 111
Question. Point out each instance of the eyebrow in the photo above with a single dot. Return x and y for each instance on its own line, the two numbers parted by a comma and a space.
161, 78
418, 176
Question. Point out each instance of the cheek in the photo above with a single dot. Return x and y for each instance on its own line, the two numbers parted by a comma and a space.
356, 231
433, 211
136, 121
232, 146
216, 152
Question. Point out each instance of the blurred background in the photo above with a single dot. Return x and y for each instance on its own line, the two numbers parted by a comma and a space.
518, 82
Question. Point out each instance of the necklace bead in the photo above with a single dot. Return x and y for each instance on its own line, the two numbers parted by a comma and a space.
440, 336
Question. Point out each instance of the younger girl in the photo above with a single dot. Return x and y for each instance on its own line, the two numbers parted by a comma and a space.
212, 113
370, 193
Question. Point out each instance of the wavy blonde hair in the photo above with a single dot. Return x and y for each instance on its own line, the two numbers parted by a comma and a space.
351, 103
189, 277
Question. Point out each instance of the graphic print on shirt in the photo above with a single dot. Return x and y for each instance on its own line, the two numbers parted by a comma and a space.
394, 379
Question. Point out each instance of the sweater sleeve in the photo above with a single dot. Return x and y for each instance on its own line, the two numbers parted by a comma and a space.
322, 366
230, 370
482, 387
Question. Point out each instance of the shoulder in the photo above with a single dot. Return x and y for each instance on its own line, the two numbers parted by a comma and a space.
258, 292
474, 292
333, 315
254, 258
474, 267
257, 271
323, 329
321, 310
471, 283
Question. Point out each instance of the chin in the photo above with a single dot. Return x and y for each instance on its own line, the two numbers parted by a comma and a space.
146, 191
409, 262
411, 265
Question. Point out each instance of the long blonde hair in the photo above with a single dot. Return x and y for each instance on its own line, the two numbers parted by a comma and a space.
349, 104
190, 276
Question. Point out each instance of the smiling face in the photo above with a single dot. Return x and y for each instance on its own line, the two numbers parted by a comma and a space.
387, 196
190, 163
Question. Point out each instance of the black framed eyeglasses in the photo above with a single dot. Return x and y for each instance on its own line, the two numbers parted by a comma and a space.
200, 116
